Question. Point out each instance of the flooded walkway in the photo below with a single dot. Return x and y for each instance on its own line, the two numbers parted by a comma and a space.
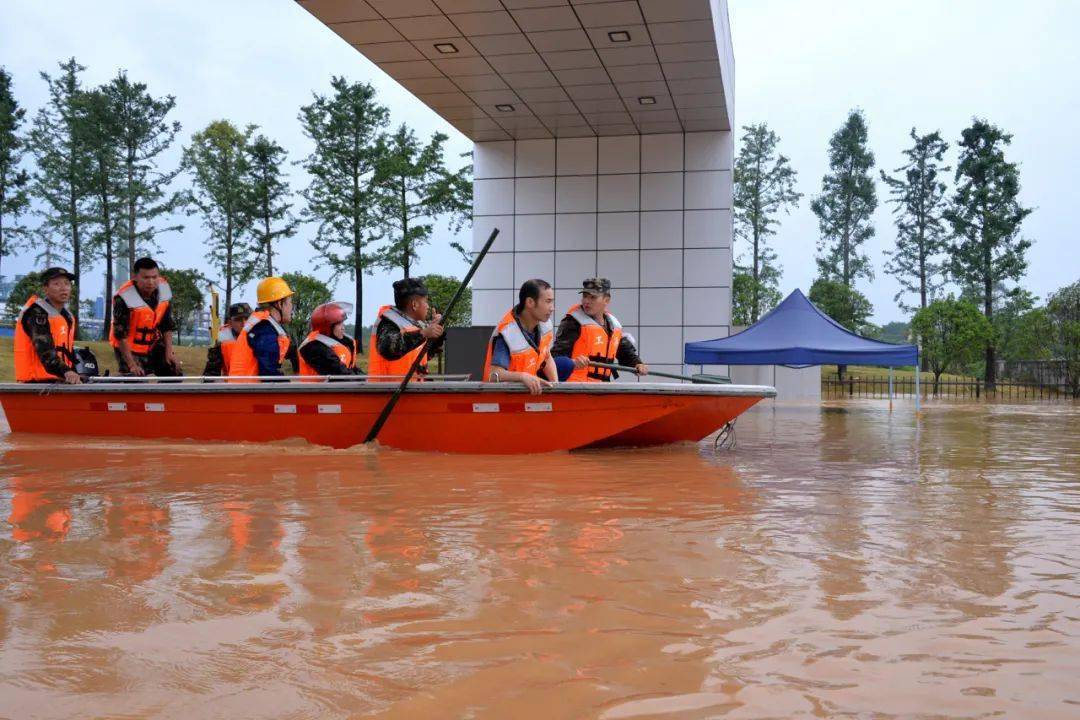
838, 563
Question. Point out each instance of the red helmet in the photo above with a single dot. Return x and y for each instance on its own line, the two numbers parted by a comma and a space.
325, 317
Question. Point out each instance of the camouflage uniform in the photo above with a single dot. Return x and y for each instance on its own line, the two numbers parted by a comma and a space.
35, 322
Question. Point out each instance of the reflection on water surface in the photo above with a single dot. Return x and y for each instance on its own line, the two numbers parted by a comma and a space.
838, 562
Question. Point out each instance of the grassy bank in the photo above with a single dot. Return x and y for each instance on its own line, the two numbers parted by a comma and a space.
828, 372
193, 358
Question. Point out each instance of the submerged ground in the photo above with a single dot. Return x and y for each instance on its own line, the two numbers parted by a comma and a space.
841, 561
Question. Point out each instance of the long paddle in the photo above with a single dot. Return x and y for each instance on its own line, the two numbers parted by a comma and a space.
699, 379
385, 414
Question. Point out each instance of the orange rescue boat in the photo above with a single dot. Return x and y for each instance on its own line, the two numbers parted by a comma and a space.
435, 416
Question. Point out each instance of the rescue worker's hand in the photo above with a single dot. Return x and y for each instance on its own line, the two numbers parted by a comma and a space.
581, 361
136, 369
536, 385
170, 358
72, 378
642, 369
432, 331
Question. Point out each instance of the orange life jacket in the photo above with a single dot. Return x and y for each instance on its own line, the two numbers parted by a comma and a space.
143, 332
28, 366
227, 342
380, 366
343, 351
242, 363
596, 343
524, 356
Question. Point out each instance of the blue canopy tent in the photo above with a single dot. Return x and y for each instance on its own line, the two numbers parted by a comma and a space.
796, 334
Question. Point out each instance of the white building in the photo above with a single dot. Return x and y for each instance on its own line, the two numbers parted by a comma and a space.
603, 136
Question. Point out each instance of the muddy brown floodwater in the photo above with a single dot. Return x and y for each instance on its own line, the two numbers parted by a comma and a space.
837, 563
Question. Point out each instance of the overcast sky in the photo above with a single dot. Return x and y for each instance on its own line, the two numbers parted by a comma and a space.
800, 67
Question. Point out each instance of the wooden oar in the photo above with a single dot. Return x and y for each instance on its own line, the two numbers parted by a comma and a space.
699, 379
385, 414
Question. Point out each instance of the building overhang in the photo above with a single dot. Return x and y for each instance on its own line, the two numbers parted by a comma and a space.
517, 69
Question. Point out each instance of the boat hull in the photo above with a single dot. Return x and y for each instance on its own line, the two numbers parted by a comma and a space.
441, 417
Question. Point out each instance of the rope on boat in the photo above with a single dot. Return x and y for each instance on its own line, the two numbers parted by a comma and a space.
725, 439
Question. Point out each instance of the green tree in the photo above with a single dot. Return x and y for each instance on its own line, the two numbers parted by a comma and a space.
919, 198
271, 198
846, 203
14, 181
97, 120
187, 299
459, 195
341, 198
1021, 330
985, 215
143, 134
844, 304
746, 292
442, 289
951, 335
63, 160
217, 161
1063, 311
29, 284
764, 187
414, 189
309, 292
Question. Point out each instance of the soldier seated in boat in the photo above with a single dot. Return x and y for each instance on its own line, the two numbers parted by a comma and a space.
263, 345
219, 354
45, 333
400, 333
327, 350
589, 333
142, 324
520, 346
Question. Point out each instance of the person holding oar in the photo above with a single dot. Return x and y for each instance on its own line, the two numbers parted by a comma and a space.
590, 334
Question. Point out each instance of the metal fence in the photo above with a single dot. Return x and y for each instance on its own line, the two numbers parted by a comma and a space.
966, 389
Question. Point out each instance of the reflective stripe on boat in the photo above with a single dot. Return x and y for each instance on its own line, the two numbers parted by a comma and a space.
329, 409
537, 407
285, 409
485, 407
154, 407
117, 407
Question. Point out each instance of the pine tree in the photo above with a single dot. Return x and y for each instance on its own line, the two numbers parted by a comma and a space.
271, 198
144, 134
847, 201
764, 186
14, 181
919, 196
63, 160
341, 197
985, 214
98, 124
221, 192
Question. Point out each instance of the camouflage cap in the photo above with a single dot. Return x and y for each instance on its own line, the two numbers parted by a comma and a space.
237, 310
407, 288
55, 272
596, 286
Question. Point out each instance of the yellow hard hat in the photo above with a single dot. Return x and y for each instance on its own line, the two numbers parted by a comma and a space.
272, 289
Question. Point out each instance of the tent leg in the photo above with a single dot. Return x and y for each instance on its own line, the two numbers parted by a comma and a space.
890, 388
917, 393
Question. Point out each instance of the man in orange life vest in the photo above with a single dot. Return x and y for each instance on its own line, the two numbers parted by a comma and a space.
590, 333
142, 324
520, 346
220, 353
263, 344
401, 331
327, 350
45, 333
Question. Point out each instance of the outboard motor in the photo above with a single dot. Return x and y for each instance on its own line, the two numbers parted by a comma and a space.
86, 364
